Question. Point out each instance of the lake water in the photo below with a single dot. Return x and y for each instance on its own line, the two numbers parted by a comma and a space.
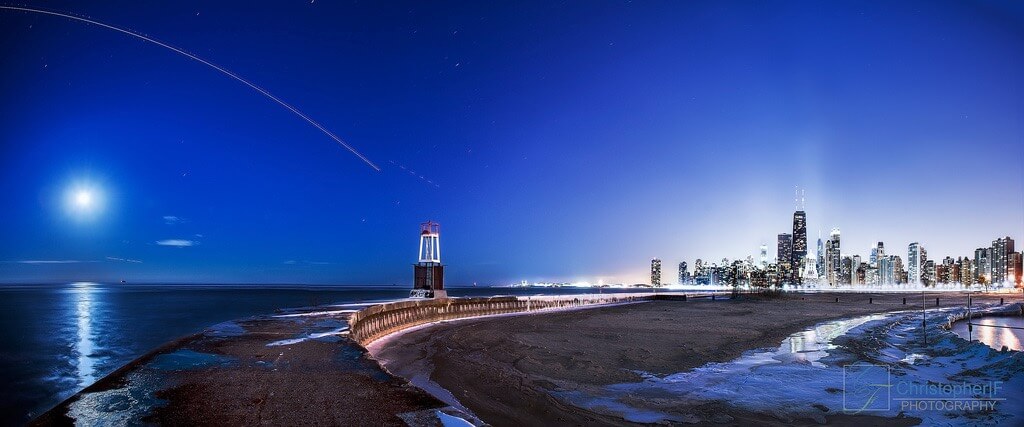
57, 339
994, 337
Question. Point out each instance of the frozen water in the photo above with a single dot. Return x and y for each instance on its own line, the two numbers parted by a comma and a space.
334, 333
451, 420
804, 377
116, 407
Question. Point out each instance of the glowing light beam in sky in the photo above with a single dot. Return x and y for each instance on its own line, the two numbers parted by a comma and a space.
207, 63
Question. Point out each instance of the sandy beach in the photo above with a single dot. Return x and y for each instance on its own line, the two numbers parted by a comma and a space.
506, 369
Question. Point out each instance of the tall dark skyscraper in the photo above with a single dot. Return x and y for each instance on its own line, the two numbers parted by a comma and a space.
784, 256
799, 244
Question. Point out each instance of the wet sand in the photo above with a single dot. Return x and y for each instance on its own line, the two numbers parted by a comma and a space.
505, 369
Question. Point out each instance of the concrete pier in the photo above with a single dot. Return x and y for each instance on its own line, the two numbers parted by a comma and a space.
374, 322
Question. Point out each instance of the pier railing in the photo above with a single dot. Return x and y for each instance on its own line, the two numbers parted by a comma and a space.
376, 321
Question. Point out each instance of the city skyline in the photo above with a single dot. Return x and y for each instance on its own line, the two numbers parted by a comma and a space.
547, 151
790, 260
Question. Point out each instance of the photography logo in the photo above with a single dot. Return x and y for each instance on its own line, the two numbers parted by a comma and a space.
866, 388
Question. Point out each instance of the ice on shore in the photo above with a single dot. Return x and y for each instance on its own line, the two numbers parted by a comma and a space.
451, 420
119, 406
317, 313
804, 377
225, 330
312, 336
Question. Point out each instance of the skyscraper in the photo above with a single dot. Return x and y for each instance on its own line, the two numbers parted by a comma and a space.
834, 257
810, 269
899, 270
799, 244
684, 275
821, 256
928, 272
982, 265
966, 271
1000, 256
784, 257
656, 272
914, 266
886, 270
700, 273
764, 256
856, 266
1015, 268
846, 270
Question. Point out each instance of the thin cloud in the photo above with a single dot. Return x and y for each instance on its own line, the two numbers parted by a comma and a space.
134, 261
293, 262
171, 219
180, 243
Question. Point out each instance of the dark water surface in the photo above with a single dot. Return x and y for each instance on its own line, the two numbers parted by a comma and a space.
57, 339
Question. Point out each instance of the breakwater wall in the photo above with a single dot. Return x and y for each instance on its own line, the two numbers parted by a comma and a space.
1016, 309
376, 321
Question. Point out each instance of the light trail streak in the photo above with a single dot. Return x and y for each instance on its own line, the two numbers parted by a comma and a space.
207, 63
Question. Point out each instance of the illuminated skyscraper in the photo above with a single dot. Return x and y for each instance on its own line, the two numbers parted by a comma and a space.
784, 257
799, 244
1015, 268
684, 275
886, 270
833, 255
701, 275
982, 265
764, 256
898, 269
810, 273
857, 271
966, 271
1000, 257
821, 256
914, 263
928, 272
656, 272
846, 270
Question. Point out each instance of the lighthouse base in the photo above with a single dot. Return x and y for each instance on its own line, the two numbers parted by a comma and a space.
428, 293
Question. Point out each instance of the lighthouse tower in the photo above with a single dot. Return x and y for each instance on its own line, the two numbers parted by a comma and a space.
428, 277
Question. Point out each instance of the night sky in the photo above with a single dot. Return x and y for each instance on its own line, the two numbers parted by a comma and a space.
552, 141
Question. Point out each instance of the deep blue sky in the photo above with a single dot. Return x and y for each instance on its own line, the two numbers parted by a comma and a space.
569, 140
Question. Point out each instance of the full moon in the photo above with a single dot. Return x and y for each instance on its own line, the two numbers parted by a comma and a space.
83, 198
83, 201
